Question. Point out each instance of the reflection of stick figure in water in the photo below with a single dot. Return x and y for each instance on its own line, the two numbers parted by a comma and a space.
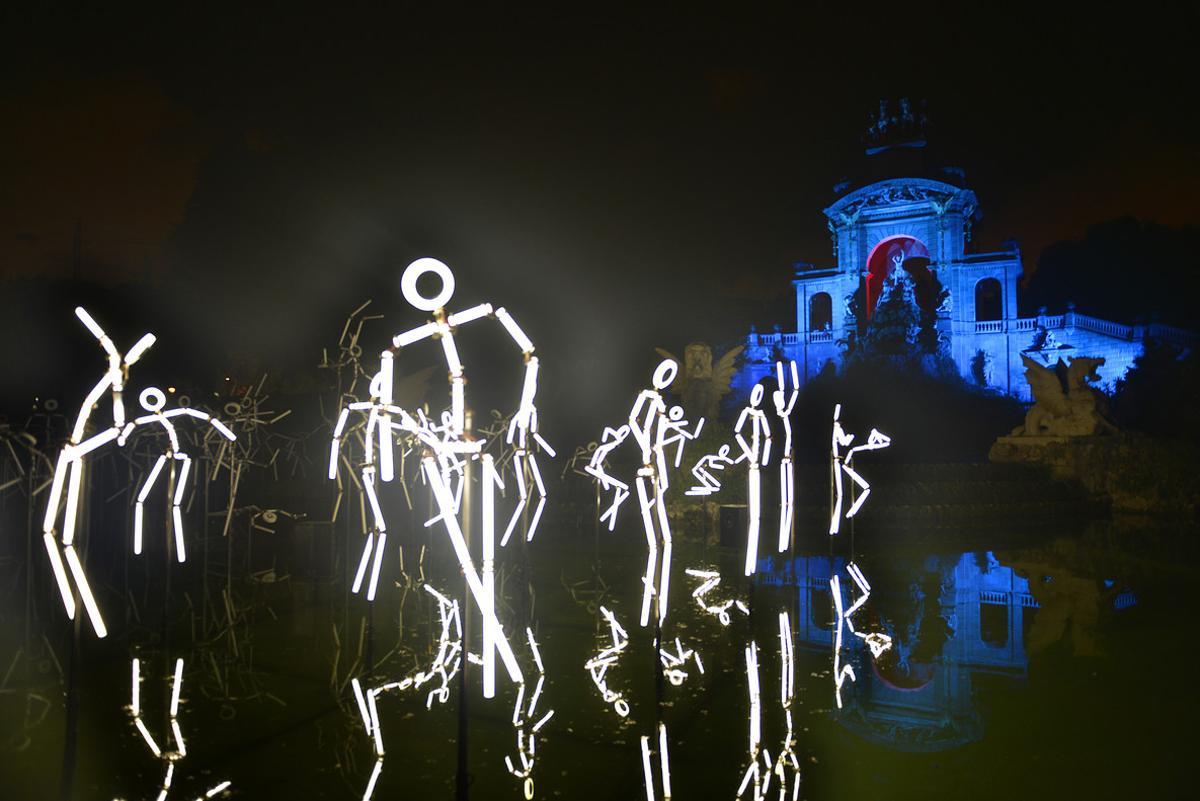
876, 641
168, 756
655, 429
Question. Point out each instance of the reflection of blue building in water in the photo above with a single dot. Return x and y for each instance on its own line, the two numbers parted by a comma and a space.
977, 622
915, 225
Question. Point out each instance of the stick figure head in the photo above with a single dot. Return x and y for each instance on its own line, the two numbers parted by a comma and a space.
665, 373
756, 395
152, 399
675, 413
414, 271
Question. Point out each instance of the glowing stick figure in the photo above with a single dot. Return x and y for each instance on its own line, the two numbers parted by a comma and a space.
703, 468
841, 463
654, 428
756, 451
69, 471
876, 641
784, 403
153, 400
169, 757
447, 446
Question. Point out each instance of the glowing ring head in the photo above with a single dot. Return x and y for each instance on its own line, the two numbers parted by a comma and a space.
184, 400
233, 408
621, 707
408, 284
676, 413
50, 405
756, 395
665, 373
528, 788
152, 399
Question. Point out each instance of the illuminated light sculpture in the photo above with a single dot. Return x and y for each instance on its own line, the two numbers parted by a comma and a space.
786, 762
703, 471
171, 756
664, 762
447, 446
756, 452
753, 771
68, 470
840, 463
785, 402
598, 666
711, 579
877, 642
445, 666
673, 662
153, 401
655, 429
522, 714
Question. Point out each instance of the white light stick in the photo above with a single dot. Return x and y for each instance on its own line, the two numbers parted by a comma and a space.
647, 774
514, 330
386, 467
490, 480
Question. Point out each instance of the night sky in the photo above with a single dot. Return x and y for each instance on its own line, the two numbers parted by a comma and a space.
246, 179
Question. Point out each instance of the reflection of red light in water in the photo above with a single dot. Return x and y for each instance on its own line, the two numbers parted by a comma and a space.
917, 678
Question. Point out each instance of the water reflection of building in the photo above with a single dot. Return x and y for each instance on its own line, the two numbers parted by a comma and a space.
920, 697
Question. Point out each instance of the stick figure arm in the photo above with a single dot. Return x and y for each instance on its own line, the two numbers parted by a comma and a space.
217, 425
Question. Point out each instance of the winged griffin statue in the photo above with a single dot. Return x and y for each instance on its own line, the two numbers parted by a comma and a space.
701, 384
1065, 402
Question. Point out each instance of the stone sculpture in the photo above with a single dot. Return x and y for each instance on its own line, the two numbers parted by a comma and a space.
701, 384
1065, 403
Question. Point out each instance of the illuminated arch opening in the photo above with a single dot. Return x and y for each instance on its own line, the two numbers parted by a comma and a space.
993, 624
903, 251
820, 312
989, 300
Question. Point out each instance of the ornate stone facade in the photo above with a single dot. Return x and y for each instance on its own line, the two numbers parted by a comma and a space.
923, 226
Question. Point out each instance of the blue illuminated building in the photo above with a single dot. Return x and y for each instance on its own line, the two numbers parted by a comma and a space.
907, 223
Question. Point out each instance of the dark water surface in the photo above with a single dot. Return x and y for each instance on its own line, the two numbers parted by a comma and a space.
1056, 664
